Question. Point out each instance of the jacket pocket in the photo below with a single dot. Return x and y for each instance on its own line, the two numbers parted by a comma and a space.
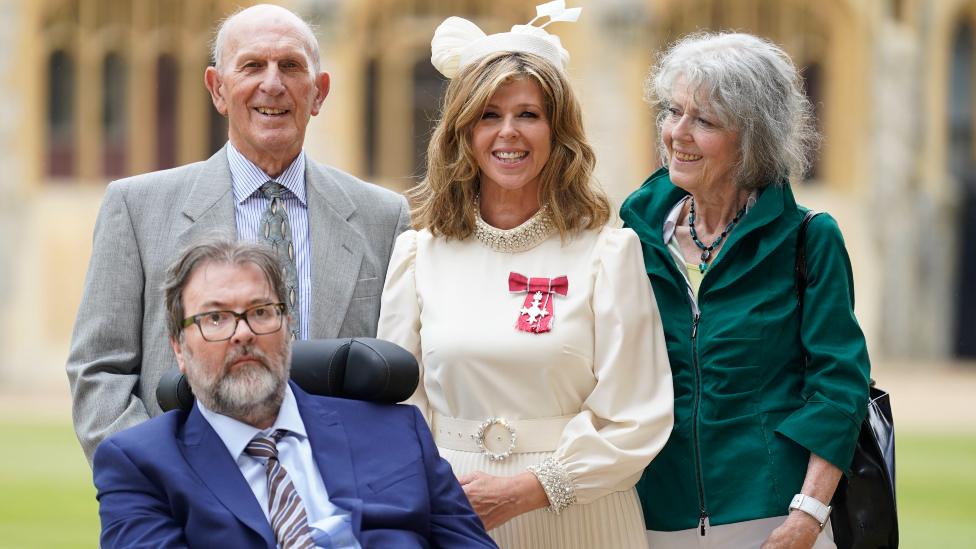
732, 365
732, 377
367, 287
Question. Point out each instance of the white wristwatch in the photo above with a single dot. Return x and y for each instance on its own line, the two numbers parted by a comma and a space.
812, 507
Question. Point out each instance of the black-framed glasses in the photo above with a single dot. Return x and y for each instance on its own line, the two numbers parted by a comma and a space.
221, 325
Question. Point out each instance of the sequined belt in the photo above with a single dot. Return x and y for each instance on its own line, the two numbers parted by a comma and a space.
497, 437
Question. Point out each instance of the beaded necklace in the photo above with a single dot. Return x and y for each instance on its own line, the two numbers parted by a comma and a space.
706, 254
526, 236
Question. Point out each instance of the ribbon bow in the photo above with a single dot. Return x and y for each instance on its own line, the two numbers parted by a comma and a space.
457, 41
536, 314
556, 11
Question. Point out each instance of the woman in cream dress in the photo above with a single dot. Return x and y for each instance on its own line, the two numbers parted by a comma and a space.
544, 374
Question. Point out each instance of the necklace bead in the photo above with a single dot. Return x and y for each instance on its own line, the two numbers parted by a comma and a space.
706, 254
526, 236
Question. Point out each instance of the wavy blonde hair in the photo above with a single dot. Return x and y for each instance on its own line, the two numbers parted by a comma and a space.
444, 201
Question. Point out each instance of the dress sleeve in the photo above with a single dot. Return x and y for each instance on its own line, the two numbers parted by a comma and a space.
400, 309
627, 418
835, 382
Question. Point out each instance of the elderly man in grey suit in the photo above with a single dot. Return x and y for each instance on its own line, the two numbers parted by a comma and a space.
333, 232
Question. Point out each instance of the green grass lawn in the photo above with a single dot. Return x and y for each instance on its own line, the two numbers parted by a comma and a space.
46, 497
46, 493
936, 483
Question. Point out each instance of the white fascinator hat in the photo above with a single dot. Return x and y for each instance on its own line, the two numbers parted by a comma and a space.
457, 41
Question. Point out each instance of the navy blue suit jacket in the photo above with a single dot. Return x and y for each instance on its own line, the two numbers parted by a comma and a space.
170, 482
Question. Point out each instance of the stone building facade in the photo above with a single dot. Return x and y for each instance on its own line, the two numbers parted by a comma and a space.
98, 89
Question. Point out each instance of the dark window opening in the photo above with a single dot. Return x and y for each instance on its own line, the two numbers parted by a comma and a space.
898, 10
428, 92
963, 167
371, 107
167, 109
60, 115
961, 103
114, 117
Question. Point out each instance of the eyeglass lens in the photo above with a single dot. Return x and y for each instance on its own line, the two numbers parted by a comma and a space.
263, 319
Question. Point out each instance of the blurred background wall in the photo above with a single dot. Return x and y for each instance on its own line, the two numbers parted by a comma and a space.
94, 90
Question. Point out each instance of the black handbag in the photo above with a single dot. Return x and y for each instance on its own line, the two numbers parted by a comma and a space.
864, 514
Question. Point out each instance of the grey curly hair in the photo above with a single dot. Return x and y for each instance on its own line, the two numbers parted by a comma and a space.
753, 87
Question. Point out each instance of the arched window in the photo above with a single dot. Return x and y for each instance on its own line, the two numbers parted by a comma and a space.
167, 106
961, 102
963, 167
114, 120
60, 114
428, 91
371, 104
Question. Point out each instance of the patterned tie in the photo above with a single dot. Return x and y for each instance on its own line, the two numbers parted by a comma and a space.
288, 518
276, 231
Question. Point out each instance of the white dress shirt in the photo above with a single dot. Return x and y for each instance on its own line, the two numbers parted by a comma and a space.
330, 524
250, 204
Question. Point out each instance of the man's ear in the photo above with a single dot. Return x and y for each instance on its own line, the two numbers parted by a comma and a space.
211, 79
178, 351
322, 84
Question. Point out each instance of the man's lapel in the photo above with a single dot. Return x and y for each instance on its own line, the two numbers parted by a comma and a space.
208, 456
336, 249
330, 449
209, 205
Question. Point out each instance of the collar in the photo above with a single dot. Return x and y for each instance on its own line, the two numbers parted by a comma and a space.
671, 222
247, 177
236, 435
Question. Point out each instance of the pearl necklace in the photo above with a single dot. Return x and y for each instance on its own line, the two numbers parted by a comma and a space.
526, 236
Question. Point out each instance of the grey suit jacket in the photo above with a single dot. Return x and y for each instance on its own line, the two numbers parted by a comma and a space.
120, 346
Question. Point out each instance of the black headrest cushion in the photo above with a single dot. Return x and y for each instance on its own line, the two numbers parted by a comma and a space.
358, 368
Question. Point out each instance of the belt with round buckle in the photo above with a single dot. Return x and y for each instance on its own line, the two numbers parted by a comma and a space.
481, 436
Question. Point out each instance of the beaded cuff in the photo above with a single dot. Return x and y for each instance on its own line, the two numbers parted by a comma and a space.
556, 482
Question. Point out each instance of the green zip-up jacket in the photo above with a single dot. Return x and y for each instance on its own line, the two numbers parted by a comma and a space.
748, 408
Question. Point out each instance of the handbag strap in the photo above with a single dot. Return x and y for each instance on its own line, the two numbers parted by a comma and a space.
800, 271
800, 268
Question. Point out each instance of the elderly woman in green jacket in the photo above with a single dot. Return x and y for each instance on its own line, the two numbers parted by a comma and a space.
769, 395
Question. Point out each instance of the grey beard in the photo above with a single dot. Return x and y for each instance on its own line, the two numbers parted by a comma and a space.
251, 394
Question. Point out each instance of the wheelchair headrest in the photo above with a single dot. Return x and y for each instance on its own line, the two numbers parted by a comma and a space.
358, 368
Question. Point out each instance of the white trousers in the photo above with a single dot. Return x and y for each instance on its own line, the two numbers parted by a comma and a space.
749, 534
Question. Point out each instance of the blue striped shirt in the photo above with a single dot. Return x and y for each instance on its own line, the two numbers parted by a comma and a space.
250, 204
331, 525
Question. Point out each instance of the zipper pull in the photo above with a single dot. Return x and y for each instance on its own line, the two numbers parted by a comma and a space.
694, 327
701, 522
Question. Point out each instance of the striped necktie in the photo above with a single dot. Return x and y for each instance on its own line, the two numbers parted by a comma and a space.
276, 231
288, 518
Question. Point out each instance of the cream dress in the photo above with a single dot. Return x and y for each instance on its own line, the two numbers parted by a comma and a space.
590, 402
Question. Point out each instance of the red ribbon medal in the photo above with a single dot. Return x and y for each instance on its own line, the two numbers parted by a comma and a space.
536, 313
